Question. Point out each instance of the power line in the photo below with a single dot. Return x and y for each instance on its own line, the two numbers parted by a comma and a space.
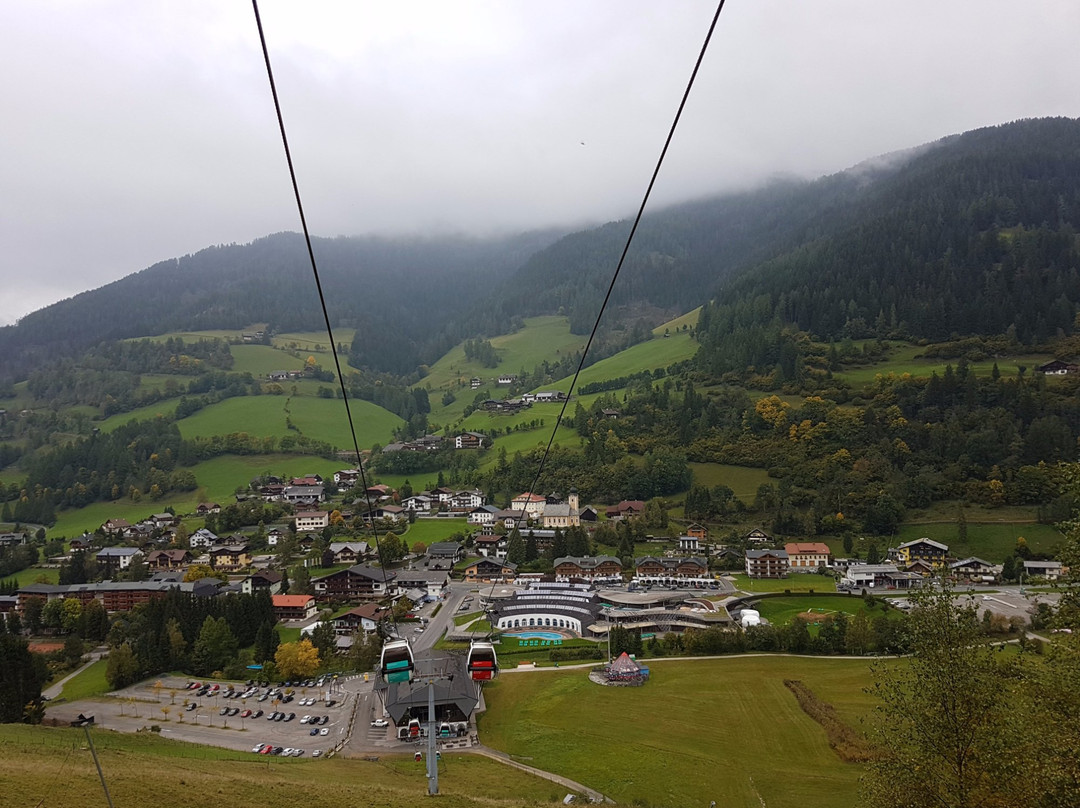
322, 297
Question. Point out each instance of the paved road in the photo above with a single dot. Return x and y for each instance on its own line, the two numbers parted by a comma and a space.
53, 691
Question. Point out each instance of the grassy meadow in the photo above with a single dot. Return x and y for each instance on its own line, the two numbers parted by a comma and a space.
743, 480
700, 730
906, 358
53, 767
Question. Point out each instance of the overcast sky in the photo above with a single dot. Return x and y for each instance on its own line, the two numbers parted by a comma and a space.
140, 130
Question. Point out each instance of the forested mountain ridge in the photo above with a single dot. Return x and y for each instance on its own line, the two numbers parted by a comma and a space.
396, 292
976, 236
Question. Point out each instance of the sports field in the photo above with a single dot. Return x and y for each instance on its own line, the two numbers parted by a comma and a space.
795, 582
724, 730
780, 611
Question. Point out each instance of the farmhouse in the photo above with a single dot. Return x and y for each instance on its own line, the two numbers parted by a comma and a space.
115, 527
1058, 368
204, 508
757, 536
12, 539
626, 509
346, 478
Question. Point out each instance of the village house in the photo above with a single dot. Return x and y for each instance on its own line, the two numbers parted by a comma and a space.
275, 535
626, 509
394, 513
975, 570
444, 554
230, 557
159, 560
304, 494
880, 576
807, 556
1058, 368
262, 581
115, 527
311, 520
294, 607
204, 508
767, 563
490, 570
364, 618
12, 539
757, 536
484, 515
348, 552
1050, 570
116, 559
419, 503
346, 478
924, 549
697, 531
470, 440
493, 546
359, 582
202, 538
431, 582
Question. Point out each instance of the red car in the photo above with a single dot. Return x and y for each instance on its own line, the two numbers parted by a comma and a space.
245, 714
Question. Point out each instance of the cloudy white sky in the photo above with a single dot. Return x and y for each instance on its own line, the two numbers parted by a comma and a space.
139, 130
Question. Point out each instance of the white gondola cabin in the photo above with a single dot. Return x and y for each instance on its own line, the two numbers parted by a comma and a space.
396, 663
482, 664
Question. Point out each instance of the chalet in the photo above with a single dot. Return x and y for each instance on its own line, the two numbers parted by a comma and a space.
610, 414
626, 509
490, 570
230, 557
806, 556
506, 407
419, 503
974, 569
275, 535
395, 513
1050, 570
378, 492
493, 546
262, 581
656, 567
115, 527
163, 520
465, 500
294, 607
588, 567
923, 549
84, 542
114, 559
346, 478
507, 378
1058, 368
359, 582
920, 567
475, 382
484, 515
204, 508
272, 492
202, 538
550, 396
531, 504
308, 479
365, 618
470, 440
168, 560
311, 520
757, 536
348, 552
767, 563
512, 518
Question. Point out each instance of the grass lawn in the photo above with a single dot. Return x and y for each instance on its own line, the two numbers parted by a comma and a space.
90, 682
796, 582
467, 618
659, 745
780, 611
743, 480
53, 766
33, 575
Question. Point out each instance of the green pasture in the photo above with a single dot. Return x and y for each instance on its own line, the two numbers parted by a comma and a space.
658, 745
74, 522
990, 540
219, 476
314, 342
780, 611
542, 338
322, 419
908, 359
743, 480
795, 582
525, 442
658, 352
689, 319
88, 683
160, 409
261, 360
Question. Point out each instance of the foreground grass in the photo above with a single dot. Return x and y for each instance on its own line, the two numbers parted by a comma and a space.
725, 730
54, 767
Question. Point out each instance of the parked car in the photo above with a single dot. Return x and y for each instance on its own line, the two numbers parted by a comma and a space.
223, 711
317, 753
324, 731
314, 732
192, 706
380, 723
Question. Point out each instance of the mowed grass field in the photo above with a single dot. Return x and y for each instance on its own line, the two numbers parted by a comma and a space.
780, 611
322, 419
795, 582
261, 360
700, 730
658, 352
54, 767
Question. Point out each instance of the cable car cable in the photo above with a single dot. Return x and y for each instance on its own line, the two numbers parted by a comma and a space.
322, 297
